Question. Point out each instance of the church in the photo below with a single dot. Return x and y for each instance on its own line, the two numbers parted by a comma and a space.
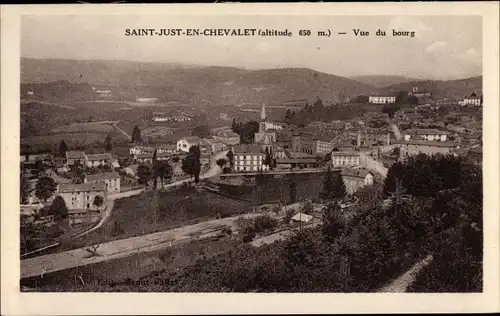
266, 135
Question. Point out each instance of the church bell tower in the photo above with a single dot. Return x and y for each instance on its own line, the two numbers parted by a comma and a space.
263, 119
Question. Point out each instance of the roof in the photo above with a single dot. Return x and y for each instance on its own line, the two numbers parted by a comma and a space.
344, 153
426, 143
75, 154
302, 217
73, 187
356, 173
247, 149
102, 176
227, 133
296, 160
426, 131
191, 139
325, 138
104, 156
143, 148
76, 211
168, 146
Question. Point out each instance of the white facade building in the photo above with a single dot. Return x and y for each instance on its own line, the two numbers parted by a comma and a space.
381, 100
249, 158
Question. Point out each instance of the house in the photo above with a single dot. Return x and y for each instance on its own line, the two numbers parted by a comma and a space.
426, 135
229, 138
167, 149
313, 143
291, 163
110, 179
173, 118
46, 158
148, 158
472, 100
96, 160
184, 144
138, 150
323, 144
345, 158
413, 148
381, 99
83, 196
354, 179
372, 137
249, 158
75, 158
301, 217
216, 145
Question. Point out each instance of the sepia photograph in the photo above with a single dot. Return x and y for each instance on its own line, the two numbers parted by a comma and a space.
259, 153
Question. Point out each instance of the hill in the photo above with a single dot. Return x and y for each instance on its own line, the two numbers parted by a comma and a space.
195, 84
380, 81
449, 88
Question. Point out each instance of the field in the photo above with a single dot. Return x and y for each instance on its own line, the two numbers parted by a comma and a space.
132, 267
91, 127
308, 187
135, 216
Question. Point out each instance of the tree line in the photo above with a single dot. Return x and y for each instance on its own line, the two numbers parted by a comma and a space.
378, 241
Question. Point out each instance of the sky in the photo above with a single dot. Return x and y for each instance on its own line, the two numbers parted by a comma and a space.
444, 47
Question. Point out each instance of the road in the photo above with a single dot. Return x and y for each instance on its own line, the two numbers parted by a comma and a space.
401, 284
107, 213
40, 265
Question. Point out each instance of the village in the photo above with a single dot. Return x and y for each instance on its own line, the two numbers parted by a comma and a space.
80, 188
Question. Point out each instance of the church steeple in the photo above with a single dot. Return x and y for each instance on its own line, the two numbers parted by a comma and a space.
263, 119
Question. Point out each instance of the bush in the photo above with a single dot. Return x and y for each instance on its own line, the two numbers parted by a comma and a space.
264, 222
227, 231
288, 216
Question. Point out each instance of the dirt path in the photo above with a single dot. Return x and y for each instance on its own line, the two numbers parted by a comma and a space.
115, 125
107, 214
401, 284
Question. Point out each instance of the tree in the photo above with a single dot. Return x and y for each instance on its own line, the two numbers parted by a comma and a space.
117, 229
98, 201
221, 162
144, 174
390, 110
264, 222
307, 208
333, 223
39, 167
230, 156
248, 130
191, 165
169, 172
234, 126
63, 148
107, 143
201, 131
45, 187
58, 208
333, 186
401, 97
267, 160
136, 135
25, 188
292, 190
